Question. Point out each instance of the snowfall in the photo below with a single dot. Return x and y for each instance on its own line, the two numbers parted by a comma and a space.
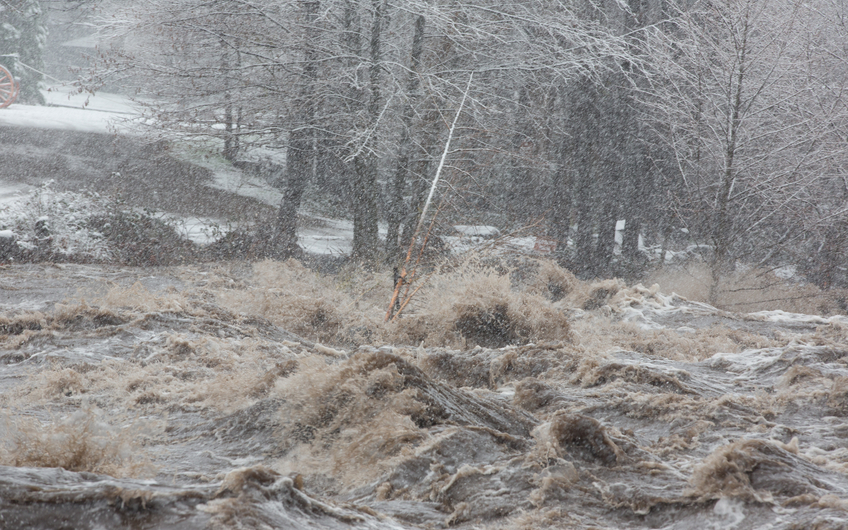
104, 113
265, 395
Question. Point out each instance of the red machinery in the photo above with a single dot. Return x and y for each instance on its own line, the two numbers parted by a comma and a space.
9, 88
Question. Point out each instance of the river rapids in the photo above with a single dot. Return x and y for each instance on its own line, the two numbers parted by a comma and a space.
146, 398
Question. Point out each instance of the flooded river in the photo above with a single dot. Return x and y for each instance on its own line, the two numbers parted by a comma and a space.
183, 398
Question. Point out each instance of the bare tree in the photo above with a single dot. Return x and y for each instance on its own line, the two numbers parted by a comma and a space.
403, 169
304, 81
738, 97
365, 215
300, 152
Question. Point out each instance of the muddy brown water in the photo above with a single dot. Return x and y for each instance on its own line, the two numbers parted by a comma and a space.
136, 398
166, 410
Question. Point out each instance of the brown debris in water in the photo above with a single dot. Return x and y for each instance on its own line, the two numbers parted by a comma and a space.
603, 423
82, 441
27, 322
533, 395
19, 330
837, 398
487, 368
473, 306
552, 281
758, 470
376, 407
632, 373
242, 500
585, 438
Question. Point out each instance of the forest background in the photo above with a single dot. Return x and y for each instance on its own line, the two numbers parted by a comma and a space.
718, 127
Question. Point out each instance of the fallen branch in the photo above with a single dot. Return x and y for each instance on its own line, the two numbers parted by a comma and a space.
401, 280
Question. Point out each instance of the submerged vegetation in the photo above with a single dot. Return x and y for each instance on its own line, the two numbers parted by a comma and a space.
81, 441
276, 387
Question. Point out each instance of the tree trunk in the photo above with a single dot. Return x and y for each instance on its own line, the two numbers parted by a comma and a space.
300, 153
603, 256
298, 166
638, 198
560, 205
231, 119
365, 214
559, 196
722, 230
585, 200
421, 169
402, 172
584, 242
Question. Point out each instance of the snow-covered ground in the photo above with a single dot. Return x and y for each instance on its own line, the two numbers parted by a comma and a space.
11, 192
68, 109
107, 113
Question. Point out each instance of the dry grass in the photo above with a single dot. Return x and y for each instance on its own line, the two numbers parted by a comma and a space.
211, 346
474, 303
599, 333
19, 330
140, 299
184, 352
471, 304
487, 304
324, 309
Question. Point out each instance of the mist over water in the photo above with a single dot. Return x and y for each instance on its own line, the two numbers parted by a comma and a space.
175, 398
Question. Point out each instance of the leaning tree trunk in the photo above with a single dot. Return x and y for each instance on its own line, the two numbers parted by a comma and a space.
421, 167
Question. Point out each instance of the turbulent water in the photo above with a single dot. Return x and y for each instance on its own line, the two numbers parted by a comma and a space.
139, 398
